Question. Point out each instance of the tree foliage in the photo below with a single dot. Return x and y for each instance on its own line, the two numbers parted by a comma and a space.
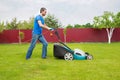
107, 20
87, 25
77, 26
2, 26
12, 25
117, 20
26, 24
69, 26
52, 21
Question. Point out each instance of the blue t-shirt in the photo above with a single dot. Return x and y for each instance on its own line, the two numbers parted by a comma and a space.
38, 29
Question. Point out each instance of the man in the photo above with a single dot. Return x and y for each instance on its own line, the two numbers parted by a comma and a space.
39, 24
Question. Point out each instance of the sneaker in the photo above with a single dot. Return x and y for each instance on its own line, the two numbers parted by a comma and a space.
43, 57
27, 58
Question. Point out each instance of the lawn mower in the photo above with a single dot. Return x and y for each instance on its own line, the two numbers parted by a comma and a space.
62, 51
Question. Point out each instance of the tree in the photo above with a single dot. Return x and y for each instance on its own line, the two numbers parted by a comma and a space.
88, 25
65, 33
109, 21
77, 26
21, 36
26, 24
1, 27
69, 26
52, 21
117, 20
13, 24
30, 23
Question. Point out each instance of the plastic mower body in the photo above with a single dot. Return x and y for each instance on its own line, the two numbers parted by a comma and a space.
63, 52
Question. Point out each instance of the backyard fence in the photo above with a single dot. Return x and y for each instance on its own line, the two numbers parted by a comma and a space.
71, 35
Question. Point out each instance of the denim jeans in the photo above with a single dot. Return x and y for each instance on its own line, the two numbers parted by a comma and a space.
41, 38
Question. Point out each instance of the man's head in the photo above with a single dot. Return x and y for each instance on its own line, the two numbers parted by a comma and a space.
43, 11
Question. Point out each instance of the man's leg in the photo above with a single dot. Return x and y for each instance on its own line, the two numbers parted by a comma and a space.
44, 48
32, 45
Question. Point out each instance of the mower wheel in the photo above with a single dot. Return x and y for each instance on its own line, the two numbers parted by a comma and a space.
68, 56
89, 57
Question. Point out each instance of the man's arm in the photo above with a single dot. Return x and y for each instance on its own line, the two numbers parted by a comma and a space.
43, 26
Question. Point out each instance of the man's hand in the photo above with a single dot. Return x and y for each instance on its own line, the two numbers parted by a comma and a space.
51, 29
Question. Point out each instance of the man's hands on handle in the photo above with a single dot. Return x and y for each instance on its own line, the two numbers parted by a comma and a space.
45, 26
51, 29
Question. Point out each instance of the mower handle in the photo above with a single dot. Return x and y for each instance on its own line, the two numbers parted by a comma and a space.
59, 39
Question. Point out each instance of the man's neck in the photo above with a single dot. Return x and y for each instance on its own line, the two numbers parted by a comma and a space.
41, 15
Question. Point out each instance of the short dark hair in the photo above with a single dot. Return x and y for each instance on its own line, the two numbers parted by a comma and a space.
42, 9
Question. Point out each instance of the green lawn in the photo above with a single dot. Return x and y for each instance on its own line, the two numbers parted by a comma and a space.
105, 66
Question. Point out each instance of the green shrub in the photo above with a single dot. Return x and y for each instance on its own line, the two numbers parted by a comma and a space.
21, 35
